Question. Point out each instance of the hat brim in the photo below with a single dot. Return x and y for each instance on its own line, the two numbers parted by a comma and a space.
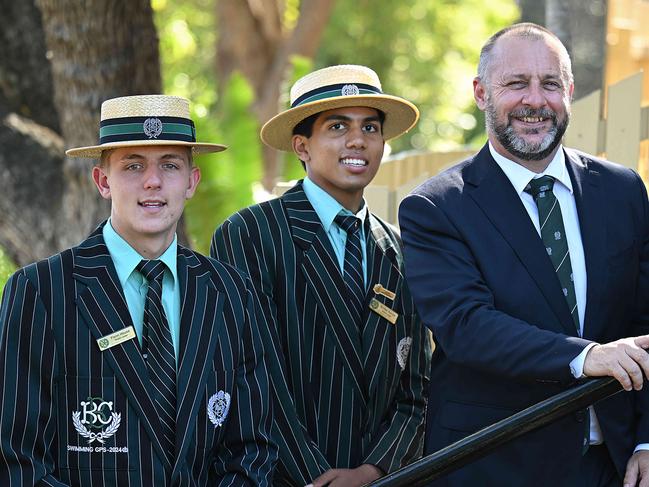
94, 151
400, 116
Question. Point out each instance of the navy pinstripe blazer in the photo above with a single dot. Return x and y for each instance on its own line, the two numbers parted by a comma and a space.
342, 397
74, 415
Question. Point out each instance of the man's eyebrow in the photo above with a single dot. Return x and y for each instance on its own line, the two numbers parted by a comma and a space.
373, 118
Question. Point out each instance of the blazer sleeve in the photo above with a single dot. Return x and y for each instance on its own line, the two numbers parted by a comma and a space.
400, 438
248, 454
27, 382
299, 457
455, 302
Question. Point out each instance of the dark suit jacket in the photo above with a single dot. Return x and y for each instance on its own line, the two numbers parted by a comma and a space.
483, 282
341, 397
53, 376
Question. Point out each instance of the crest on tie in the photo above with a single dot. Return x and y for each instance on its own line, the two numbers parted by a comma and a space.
218, 407
403, 349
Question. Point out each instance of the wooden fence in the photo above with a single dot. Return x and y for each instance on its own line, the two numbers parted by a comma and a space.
621, 136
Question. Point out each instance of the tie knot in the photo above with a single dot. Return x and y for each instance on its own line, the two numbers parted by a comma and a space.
538, 187
151, 269
350, 224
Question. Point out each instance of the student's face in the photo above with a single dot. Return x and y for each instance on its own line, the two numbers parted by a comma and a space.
526, 98
343, 153
147, 186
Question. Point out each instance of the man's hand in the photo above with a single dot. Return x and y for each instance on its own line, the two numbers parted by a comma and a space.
348, 477
624, 359
637, 470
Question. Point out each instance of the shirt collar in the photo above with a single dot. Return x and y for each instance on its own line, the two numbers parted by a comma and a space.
326, 206
126, 258
520, 176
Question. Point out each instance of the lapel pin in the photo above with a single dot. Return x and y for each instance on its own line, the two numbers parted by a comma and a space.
382, 310
120, 336
379, 289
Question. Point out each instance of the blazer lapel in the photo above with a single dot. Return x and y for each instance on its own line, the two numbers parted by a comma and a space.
590, 208
322, 274
201, 307
103, 306
495, 196
379, 338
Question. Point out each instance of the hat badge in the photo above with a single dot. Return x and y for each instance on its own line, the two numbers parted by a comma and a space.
152, 127
349, 90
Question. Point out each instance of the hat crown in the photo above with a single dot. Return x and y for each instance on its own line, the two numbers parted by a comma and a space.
334, 75
145, 106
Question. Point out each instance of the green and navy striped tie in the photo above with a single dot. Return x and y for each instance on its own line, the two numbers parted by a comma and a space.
553, 235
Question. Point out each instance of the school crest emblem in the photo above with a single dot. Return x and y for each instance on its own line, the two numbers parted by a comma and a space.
96, 421
349, 90
403, 349
218, 407
152, 127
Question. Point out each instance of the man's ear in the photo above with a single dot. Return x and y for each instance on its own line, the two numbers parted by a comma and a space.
479, 93
300, 145
194, 178
100, 178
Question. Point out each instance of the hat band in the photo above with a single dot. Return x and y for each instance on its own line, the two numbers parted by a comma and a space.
331, 91
146, 128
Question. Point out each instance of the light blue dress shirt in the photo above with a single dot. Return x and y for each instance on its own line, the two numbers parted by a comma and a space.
327, 208
135, 286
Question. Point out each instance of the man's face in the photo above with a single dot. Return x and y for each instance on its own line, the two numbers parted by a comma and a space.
147, 186
343, 153
526, 99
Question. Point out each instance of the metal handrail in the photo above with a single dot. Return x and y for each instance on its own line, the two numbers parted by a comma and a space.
484, 441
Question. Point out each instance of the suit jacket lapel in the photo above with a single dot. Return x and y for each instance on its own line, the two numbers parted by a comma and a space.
379, 338
322, 274
494, 194
200, 317
103, 306
590, 208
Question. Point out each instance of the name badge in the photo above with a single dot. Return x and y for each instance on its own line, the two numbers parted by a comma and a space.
382, 310
120, 336
379, 289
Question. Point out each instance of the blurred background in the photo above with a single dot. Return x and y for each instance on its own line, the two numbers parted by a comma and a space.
235, 60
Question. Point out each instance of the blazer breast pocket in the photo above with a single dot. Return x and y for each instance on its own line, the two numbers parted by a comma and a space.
216, 408
93, 424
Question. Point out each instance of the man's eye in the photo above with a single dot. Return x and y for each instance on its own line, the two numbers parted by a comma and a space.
370, 127
552, 85
337, 126
133, 167
516, 85
170, 165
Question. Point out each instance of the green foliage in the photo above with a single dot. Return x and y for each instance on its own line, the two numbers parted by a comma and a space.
6, 269
424, 51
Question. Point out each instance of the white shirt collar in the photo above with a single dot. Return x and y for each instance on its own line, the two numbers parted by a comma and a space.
520, 176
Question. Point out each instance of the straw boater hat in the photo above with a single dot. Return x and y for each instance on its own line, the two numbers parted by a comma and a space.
142, 120
336, 87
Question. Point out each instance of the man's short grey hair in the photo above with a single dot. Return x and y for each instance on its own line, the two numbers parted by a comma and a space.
526, 30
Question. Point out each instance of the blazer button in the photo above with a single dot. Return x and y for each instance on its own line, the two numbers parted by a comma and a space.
580, 416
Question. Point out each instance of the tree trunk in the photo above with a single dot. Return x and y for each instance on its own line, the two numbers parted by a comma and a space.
251, 41
97, 49
557, 19
532, 11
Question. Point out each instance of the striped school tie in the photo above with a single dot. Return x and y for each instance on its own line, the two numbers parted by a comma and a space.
158, 352
553, 235
353, 266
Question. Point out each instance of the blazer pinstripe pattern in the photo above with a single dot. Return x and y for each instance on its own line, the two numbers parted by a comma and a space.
341, 397
53, 376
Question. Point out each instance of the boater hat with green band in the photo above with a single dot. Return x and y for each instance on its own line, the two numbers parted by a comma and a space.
340, 86
132, 121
